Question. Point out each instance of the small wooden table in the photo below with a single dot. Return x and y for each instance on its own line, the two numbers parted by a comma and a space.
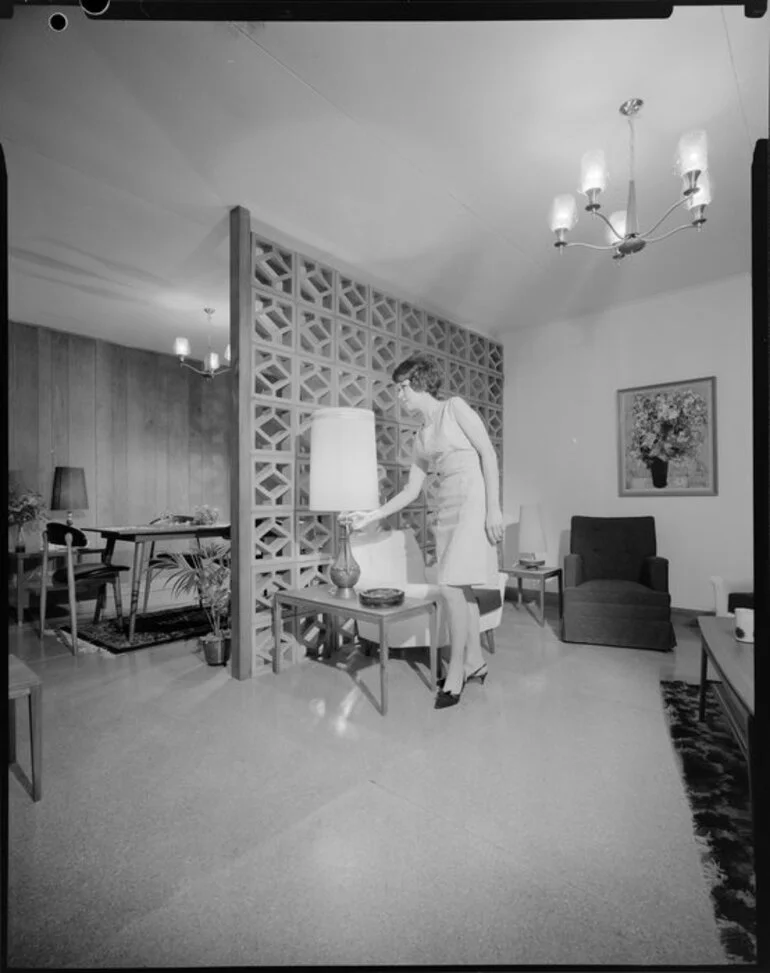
541, 575
139, 536
324, 600
734, 664
22, 681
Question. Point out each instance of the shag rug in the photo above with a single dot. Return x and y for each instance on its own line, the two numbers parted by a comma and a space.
716, 779
154, 628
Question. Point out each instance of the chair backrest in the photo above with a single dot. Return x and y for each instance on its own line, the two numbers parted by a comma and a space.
56, 533
613, 547
388, 557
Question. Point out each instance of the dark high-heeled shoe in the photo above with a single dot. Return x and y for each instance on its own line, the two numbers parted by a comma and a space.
477, 675
444, 699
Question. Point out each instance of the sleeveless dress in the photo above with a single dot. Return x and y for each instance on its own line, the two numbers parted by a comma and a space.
463, 551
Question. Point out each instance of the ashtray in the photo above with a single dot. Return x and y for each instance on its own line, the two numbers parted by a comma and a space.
381, 597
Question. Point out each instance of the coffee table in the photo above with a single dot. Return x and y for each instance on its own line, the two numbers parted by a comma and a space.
734, 664
324, 600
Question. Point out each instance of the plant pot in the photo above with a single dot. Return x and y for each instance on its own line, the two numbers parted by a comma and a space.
216, 649
659, 471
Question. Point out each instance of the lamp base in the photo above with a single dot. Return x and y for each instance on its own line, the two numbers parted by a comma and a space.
345, 571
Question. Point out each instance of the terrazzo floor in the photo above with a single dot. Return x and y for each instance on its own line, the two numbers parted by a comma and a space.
189, 819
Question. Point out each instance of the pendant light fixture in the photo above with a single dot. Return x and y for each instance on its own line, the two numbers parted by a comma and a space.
211, 366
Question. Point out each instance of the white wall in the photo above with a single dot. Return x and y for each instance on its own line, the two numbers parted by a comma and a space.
560, 425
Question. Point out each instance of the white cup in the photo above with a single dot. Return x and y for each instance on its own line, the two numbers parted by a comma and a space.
744, 624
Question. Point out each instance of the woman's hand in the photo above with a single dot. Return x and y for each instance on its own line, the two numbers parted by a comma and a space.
494, 526
358, 519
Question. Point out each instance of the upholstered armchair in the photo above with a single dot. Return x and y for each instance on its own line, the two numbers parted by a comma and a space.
616, 586
731, 593
393, 559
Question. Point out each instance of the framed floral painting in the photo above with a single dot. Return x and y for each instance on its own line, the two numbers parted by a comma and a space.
667, 442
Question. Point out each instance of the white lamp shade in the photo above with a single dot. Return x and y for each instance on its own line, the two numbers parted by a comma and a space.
593, 171
343, 460
531, 535
563, 212
702, 195
618, 220
182, 347
692, 152
211, 361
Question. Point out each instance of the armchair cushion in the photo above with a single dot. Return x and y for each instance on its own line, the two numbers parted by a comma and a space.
613, 547
739, 599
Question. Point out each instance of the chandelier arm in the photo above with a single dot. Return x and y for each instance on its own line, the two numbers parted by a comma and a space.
684, 226
591, 246
668, 212
603, 217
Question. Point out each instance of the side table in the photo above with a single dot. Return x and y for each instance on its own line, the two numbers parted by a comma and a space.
540, 575
323, 600
22, 681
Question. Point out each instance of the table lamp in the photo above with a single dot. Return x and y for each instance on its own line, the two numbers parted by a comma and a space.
531, 536
69, 490
343, 477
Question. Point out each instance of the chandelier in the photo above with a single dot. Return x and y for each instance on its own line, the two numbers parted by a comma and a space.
211, 366
623, 234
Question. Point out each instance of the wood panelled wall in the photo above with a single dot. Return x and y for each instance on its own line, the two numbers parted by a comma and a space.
151, 436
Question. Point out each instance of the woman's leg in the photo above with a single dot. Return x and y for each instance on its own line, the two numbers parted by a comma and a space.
457, 617
474, 657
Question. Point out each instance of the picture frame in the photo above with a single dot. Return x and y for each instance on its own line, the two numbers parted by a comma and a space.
667, 439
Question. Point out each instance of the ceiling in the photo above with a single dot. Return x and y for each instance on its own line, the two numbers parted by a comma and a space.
419, 156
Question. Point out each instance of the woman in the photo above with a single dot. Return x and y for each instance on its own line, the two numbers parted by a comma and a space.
469, 521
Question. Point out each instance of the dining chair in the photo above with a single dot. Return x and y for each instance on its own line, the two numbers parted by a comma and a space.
83, 579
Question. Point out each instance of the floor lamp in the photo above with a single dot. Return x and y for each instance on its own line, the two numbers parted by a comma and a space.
343, 477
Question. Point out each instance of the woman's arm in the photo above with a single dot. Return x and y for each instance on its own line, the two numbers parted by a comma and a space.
471, 424
359, 519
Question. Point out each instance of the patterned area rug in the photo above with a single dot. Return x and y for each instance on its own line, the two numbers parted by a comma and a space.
715, 774
154, 628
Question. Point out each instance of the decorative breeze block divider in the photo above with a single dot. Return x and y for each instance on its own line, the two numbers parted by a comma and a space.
322, 339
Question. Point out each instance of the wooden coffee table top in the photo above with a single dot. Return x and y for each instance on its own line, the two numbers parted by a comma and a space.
734, 659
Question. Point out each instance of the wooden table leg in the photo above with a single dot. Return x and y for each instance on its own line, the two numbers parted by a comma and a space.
101, 599
136, 578
384, 665
277, 633
36, 739
703, 673
433, 646
561, 595
519, 583
542, 602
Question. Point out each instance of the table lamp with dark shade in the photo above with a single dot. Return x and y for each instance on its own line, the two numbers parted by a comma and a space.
343, 478
69, 490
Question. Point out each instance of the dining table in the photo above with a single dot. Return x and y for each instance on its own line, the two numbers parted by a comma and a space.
142, 534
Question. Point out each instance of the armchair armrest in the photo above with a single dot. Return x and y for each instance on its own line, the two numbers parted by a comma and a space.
573, 570
655, 572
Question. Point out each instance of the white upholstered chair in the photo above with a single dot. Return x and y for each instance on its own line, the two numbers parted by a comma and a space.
724, 587
393, 559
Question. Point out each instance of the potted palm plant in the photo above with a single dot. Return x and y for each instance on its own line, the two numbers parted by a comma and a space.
205, 572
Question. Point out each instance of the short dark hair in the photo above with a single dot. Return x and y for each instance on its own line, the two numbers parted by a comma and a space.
424, 374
